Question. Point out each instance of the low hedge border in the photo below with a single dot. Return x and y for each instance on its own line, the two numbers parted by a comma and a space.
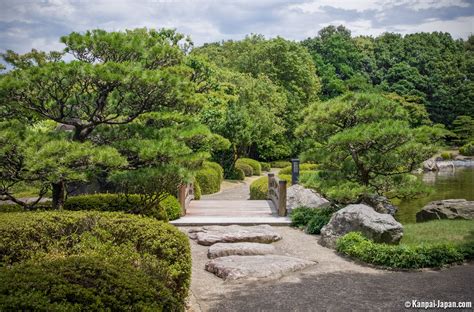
265, 166
311, 220
355, 245
112, 202
280, 163
303, 168
83, 260
259, 189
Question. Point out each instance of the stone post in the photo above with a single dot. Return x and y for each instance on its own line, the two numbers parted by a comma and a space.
295, 171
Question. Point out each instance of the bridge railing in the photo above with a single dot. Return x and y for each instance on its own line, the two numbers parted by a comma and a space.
277, 193
185, 195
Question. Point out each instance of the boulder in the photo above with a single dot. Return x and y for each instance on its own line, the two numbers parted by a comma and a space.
447, 209
380, 204
430, 165
380, 227
299, 196
239, 249
255, 267
208, 235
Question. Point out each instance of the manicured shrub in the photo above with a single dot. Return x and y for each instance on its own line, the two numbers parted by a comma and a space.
169, 209
209, 180
265, 166
256, 167
248, 171
210, 177
88, 260
259, 188
303, 168
467, 149
447, 155
354, 244
280, 164
130, 204
237, 174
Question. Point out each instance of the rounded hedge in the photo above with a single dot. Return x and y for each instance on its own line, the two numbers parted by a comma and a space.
247, 169
256, 167
210, 178
265, 166
259, 188
84, 260
237, 174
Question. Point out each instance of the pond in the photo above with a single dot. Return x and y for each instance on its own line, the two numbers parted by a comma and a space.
446, 184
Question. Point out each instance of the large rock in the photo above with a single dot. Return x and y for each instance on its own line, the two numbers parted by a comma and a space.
447, 209
380, 204
239, 249
209, 235
255, 267
430, 165
299, 196
380, 227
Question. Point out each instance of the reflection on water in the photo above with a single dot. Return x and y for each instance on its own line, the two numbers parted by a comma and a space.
446, 184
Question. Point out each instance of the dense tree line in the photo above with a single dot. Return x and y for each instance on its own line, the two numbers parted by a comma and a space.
144, 109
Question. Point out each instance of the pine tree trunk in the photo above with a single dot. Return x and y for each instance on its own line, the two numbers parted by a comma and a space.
58, 195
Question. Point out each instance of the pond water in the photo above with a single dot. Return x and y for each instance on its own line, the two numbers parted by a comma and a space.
446, 184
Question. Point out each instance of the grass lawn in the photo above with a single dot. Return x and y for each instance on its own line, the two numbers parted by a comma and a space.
439, 231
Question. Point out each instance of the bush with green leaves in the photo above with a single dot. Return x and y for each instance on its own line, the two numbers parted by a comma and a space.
265, 166
447, 155
280, 163
256, 166
71, 260
259, 189
169, 208
210, 178
467, 149
311, 220
355, 245
303, 168
248, 171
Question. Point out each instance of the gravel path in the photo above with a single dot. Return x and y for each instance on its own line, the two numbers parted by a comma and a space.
333, 284
232, 190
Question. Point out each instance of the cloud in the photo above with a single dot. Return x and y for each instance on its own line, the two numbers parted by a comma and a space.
26, 24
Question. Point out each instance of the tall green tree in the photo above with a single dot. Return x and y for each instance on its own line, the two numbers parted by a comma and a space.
366, 144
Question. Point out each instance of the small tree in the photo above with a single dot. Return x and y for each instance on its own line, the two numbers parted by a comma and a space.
463, 127
49, 160
365, 144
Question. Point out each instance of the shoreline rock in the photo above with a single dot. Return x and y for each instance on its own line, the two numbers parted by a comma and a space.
299, 196
450, 209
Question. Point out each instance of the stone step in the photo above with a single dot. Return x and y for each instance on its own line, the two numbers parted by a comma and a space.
231, 220
239, 249
208, 235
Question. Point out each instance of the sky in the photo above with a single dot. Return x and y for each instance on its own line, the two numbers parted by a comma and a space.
27, 24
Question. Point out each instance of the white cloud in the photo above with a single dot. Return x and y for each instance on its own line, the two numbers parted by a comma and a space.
459, 28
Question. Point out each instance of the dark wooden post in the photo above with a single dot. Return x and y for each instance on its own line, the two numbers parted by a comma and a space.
282, 198
295, 171
269, 181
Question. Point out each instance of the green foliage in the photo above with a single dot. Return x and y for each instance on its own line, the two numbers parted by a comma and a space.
463, 128
256, 166
265, 166
259, 188
354, 244
92, 261
237, 174
209, 178
247, 169
280, 164
311, 220
467, 149
365, 143
303, 168
197, 191
447, 155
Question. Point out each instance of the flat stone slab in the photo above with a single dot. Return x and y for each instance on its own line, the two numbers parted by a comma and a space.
209, 235
255, 267
239, 249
